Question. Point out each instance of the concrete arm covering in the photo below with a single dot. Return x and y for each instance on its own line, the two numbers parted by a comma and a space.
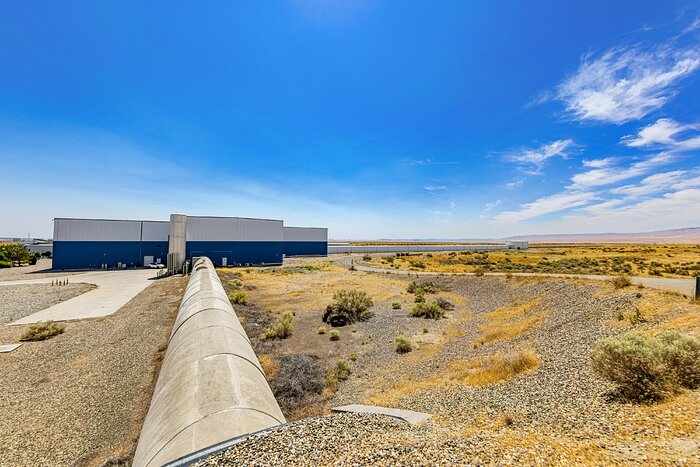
211, 387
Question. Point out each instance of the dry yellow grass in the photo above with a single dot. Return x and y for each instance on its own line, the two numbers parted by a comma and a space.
663, 311
298, 290
640, 258
269, 365
478, 371
508, 322
482, 371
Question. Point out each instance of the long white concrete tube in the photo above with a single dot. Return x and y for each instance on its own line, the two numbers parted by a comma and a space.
211, 387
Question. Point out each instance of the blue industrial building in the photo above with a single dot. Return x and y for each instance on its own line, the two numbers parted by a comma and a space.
227, 241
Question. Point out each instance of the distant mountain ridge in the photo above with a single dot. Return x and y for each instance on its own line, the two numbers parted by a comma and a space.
684, 235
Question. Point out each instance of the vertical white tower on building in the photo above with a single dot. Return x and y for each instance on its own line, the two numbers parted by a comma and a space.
177, 242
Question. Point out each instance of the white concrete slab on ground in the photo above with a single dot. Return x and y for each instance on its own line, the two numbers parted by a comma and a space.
8, 347
406, 415
114, 290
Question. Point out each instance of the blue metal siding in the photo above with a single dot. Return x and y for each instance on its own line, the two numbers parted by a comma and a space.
305, 248
87, 255
237, 252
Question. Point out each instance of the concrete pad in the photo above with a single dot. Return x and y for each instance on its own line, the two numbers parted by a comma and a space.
114, 290
409, 416
8, 348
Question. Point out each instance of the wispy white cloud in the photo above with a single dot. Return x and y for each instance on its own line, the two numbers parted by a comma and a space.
532, 161
625, 84
489, 206
651, 185
606, 172
517, 183
668, 134
669, 209
695, 25
546, 205
429, 161
436, 187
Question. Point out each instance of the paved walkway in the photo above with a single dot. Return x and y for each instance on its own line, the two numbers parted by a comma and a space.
114, 289
682, 286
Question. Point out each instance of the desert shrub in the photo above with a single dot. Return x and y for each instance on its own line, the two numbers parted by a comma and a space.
281, 329
426, 287
682, 355
366, 258
297, 377
479, 272
420, 296
342, 370
42, 331
396, 306
238, 298
425, 330
5, 264
335, 335
389, 259
444, 303
353, 357
235, 283
348, 306
509, 275
648, 368
403, 345
636, 317
620, 282
427, 310
321, 330
332, 382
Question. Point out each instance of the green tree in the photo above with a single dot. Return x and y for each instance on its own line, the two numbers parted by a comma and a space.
16, 253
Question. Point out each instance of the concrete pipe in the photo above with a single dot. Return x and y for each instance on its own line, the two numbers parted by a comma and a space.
211, 387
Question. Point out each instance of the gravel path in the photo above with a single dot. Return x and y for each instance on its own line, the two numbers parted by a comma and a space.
41, 270
19, 301
79, 398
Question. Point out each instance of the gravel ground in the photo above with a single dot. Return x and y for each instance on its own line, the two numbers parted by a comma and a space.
41, 270
562, 342
19, 301
560, 413
79, 398
346, 439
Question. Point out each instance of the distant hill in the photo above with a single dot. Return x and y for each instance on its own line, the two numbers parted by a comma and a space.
686, 235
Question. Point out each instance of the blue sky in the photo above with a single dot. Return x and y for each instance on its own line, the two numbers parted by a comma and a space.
390, 119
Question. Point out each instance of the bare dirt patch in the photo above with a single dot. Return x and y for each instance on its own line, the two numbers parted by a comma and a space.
80, 397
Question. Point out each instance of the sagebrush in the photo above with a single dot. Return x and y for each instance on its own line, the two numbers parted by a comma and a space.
281, 329
403, 345
348, 306
427, 310
649, 368
238, 298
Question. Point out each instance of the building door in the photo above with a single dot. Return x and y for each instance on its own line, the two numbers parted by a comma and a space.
147, 260
224, 261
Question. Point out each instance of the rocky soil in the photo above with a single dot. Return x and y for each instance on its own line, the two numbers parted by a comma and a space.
79, 398
560, 413
19, 301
